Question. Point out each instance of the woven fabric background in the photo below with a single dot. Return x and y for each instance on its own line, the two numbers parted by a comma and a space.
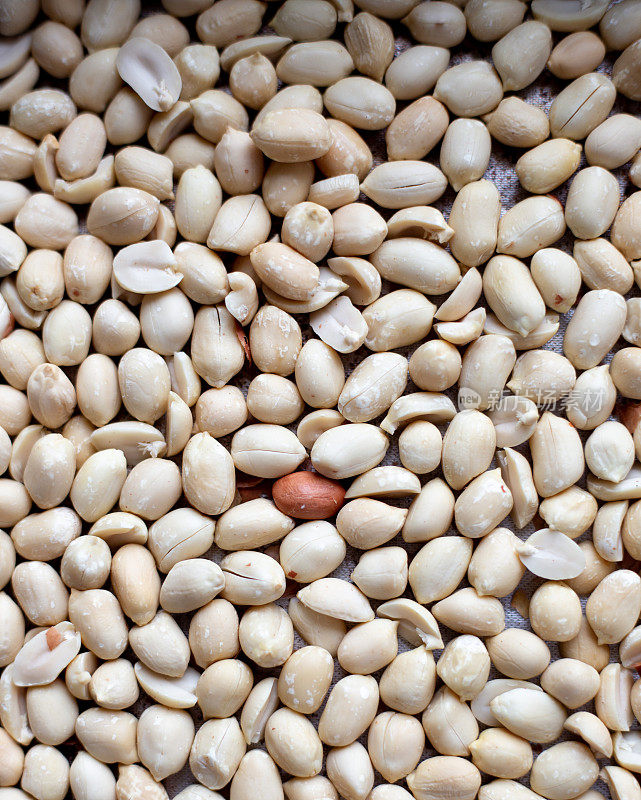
501, 172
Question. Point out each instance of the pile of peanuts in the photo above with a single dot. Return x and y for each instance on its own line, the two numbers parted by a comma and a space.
196, 245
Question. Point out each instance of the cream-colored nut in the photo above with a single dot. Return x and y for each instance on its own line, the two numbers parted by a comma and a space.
461, 462
548, 166
619, 27
163, 29
442, 25
415, 71
438, 568
557, 277
167, 320
18, 84
164, 737
17, 154
588, 219
109, 736
612, 702
50, 470
534, 715
360, 694
89, 777
521, 54
383, 522
46, 222
352, 451
241, 225
449, 724
581, 106
610, 619
382, 573
301, 20
437, 776
467, 612
336, 598
161, 645
20, 353
348, 152
13, 714
369, 646
135, 582
420, 446
78, 430
86, 563
46, 773
370, 42
284, 185
529, 225
238, 162
407, 684
586, 345
98, 392
373, 386
66, 334
113, 685
386, 331
40, 593
624, 72
266, 635
609, 451
46, 536
12, 760
144, 384
518, 654
170, 692
570, 681
431, 513
620, 781
319, 374
350, 770
215, 348
564, 770
554, 472
541, 375
42, 111
179, 595
495, 568
143, 169
305, 679
499, 752
311, 551
464, 666
252, 79
334, 192
416, 129
126, 118
16, 502
312, 425
320, 63
199, 69
14, 197
593, 732
469, 89
435, 365
98, 618
492, 493
95, 81
259, 706
234, 20
150, 72
115, 328
13, 629
417, 263
402, 184
555, 612
488, 22
222, 615
123, 216
256, 769
180, 534
520, 309
575, 55
465, 152
252, 578
518, 124
614, 142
